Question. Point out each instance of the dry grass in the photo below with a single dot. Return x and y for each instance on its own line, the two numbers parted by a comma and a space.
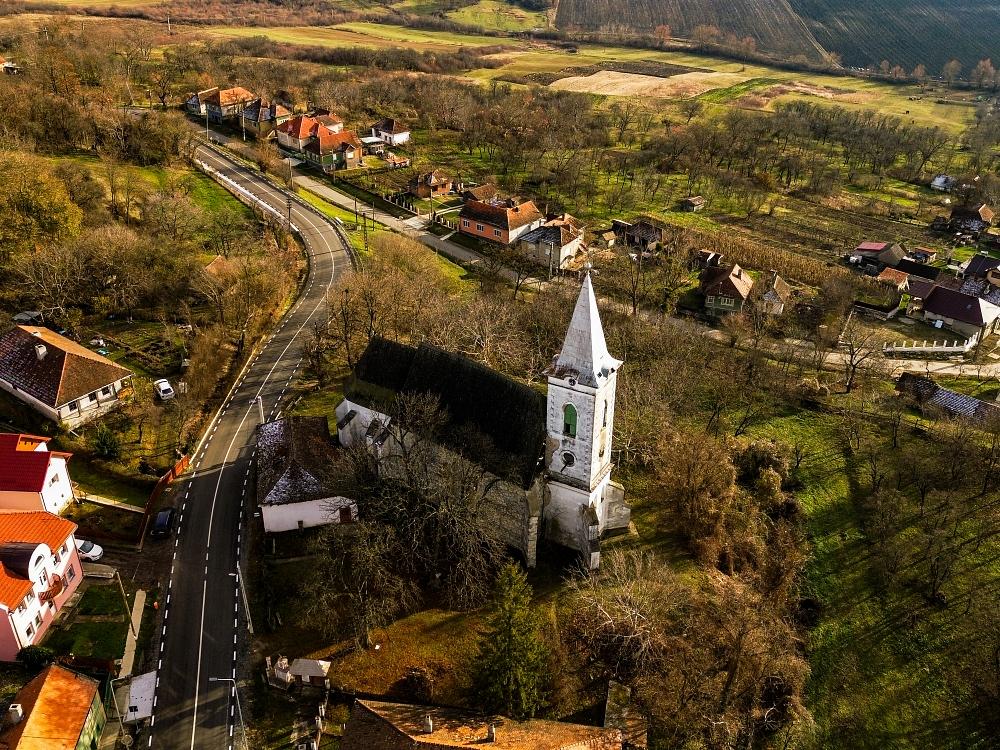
442, 642
631, 84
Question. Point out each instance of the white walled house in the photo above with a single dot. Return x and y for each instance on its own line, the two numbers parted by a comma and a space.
391, 132
40, 569
294, 456
56, 376
31, 476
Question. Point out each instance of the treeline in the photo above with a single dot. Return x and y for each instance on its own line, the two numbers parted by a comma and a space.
389, 58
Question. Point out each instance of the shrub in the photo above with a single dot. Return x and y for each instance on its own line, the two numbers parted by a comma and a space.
106, 443
35, 658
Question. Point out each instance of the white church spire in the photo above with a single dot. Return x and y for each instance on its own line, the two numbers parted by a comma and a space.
585, 352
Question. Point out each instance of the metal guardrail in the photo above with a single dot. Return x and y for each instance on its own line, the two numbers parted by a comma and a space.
302, 204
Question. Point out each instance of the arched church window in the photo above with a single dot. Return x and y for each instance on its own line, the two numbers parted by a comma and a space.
604, 423
569, 420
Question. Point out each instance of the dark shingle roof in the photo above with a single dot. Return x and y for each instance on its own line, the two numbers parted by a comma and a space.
294, 461
979, 265
912, 268
509, 414
926, 391
67, 372
949, 303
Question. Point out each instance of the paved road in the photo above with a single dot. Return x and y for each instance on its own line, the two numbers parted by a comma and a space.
204, 632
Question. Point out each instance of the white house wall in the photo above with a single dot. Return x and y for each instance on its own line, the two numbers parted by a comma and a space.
57, 492
292, 516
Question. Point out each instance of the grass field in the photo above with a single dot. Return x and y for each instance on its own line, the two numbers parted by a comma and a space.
360, 35
492, 14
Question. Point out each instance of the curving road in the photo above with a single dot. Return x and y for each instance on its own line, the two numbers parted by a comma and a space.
204, 628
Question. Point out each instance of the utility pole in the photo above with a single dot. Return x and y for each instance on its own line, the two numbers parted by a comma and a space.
246, 602
288, 205
169, 32
128, 609
208, 136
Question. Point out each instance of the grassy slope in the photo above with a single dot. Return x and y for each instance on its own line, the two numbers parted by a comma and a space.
876, 662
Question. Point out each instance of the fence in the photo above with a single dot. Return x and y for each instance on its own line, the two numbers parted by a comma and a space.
165, 481
924, 348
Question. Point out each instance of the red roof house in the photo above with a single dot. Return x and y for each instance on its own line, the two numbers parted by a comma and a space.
31, 476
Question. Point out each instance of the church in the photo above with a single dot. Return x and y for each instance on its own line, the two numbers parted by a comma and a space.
549, 456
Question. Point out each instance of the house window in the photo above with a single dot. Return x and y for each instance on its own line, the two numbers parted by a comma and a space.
727, 301
92, 397
604, 421
54, 480
28, 632
497, 233
569, 420
62, 550
465, 223
70, 573
29, 598
71, 406
480, 228
44, 577
710, 299
38, 620
106, 390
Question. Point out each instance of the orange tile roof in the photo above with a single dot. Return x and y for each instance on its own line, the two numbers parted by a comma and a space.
229, 97
456, 728
67, 372
300, 126
56, 706
36, 527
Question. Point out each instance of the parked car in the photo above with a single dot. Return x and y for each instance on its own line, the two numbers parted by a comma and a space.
164, 390
89, 551
163, 524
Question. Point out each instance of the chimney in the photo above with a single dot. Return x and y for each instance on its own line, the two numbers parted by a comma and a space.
428, 724
40, 351
15, 713
491, 733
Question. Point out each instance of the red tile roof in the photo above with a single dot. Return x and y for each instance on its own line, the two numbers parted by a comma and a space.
501, 215
456, 728
20, 441
726, 281
66, 373
229, 97
300, 126
872, 247
56, 706
33, 527
327, 141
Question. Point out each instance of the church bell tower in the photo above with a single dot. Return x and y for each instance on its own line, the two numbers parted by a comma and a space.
581, 501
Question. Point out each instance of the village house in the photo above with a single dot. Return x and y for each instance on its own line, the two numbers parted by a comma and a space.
549, 456
58, 710
726, 289
929, 395
693, 204
973, 219
53, 375
872, 257
294, 476
260, 118
484, 192
499, 221
395, 161
643, 232
432, 185
372, 146
40, 569
297, 131
331, 151
962, 313
894, 278
921, 255
328, 119
31, 476
195, 103
9, 67
391, 132
555, 243
706, 259
403, 726
776, 295
914, 268
978, 266
227, 105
